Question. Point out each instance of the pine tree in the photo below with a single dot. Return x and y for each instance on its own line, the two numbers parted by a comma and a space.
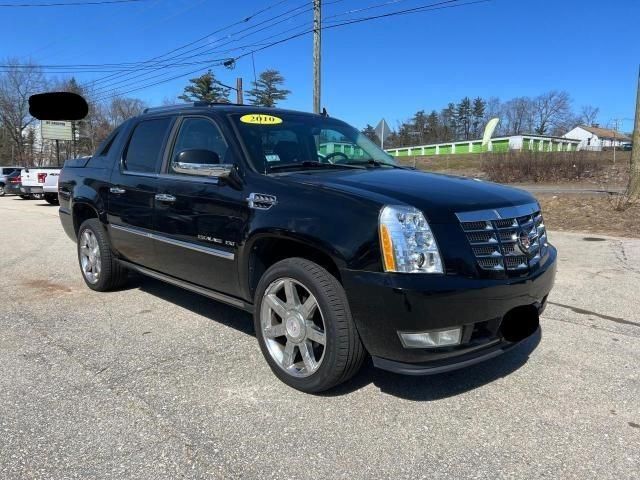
477, 116
463, 113
419, 127
450, 123
266, 91
370, 133
205, 88
433, 127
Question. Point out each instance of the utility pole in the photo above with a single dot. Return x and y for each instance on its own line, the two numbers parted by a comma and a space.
634, 173
616, 123
317, 38
239, 91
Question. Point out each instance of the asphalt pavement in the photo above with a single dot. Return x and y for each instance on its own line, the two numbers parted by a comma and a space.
153, 382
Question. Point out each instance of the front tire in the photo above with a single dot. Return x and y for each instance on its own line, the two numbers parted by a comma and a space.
304, 326
100, 269
51, 198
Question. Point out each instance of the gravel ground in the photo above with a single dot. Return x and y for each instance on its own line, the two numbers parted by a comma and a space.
155, 382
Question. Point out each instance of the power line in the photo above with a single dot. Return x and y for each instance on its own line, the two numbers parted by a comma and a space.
128, 77
215, 32
423, 8
362, 9
217, 50
230, 39
70, 4
161, 62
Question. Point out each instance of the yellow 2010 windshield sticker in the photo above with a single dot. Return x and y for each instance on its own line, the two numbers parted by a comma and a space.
260, 119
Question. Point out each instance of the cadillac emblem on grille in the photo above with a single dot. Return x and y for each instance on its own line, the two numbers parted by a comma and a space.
524, 242
510, 239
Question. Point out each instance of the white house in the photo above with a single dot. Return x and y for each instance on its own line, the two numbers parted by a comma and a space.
596, 138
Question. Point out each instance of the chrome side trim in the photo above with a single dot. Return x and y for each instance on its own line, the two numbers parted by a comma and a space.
178, 243
221, 297
499, 213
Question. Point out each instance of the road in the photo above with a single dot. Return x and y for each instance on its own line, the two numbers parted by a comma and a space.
153, 382
573, 189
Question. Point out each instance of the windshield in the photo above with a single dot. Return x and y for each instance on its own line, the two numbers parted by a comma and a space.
297, 140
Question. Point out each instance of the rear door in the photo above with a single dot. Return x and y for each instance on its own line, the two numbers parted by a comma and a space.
134, 183
200, 220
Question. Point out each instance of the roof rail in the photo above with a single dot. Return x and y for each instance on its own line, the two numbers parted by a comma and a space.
180, 106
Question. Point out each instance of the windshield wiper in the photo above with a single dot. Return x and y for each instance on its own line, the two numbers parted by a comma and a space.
308, 164
373, 163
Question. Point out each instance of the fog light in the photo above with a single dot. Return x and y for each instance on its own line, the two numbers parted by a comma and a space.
438, 338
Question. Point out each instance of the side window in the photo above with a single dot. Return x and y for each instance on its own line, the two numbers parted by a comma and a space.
104, 148
144, 149
200, 134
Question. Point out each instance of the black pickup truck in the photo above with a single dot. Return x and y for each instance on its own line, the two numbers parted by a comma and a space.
337, 250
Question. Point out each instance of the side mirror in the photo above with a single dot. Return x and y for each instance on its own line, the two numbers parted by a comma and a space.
58, 106
202, 163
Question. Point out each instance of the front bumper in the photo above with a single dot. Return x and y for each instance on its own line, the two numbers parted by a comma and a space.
383, 304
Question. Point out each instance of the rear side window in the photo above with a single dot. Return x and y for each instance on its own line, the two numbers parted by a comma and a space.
144, 149
104, 148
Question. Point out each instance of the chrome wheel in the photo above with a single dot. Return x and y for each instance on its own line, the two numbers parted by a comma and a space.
293, 327
90, 260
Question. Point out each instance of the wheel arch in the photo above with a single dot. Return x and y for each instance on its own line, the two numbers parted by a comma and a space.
267, 248
82, 211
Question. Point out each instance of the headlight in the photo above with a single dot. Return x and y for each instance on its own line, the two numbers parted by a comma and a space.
407, 242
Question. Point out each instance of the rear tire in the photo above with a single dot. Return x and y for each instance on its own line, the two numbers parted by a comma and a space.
100, 269
2, 192
51, 198
298, 306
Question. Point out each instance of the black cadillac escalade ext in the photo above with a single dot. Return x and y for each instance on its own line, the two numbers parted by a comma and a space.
337, 250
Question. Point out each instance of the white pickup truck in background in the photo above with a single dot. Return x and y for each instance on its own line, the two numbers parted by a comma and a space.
41, 182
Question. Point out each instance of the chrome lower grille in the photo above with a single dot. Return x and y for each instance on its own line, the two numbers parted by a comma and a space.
510, 239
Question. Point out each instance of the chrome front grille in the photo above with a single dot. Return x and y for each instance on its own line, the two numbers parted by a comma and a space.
511, 239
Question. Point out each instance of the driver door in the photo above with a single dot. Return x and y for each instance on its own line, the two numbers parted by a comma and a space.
199, 220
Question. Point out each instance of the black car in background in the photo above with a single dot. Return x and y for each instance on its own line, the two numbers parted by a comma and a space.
12, 185
5, 174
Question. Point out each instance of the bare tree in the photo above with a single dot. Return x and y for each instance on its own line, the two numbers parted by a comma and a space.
518, 115
17, 84
495, 108
121, 109
551, 110
588, 115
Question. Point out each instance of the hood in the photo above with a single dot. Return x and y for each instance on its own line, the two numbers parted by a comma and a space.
440, 197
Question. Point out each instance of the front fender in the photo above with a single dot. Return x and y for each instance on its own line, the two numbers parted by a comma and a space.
272, 233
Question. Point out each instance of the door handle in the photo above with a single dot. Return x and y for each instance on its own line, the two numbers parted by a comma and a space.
117, 190
163, 197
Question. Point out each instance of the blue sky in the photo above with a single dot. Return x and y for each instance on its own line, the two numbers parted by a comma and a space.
384, 68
